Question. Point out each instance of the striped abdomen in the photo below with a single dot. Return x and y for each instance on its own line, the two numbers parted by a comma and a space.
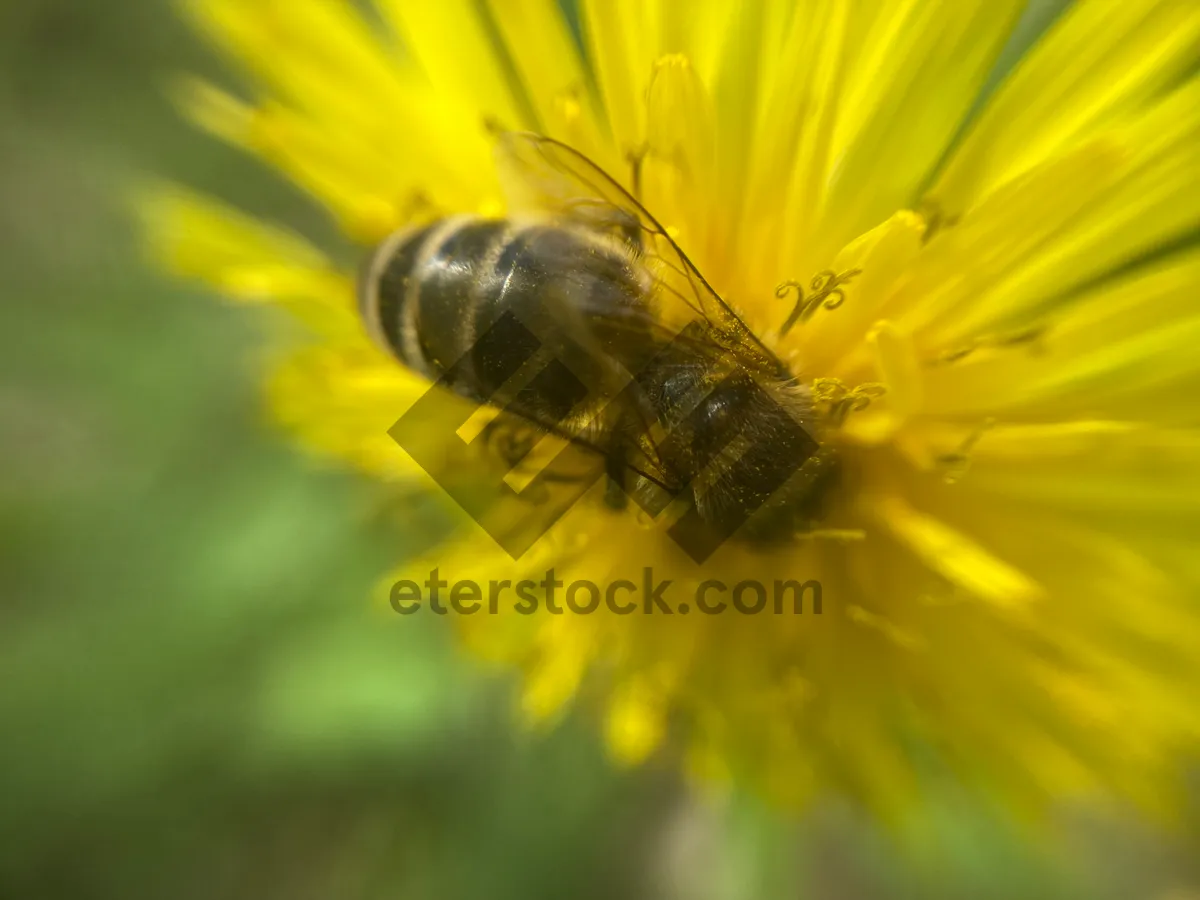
429, 295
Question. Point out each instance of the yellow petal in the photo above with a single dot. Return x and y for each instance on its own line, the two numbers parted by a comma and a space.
1100, 63
922, 66
955, 556
1124, 349
958, 277
681, 153
737, 93
368, 195
451, 43
1091, 464
1156, 202
245, 259
319, 56
897, 366
697, 30
793, 142
342, 398
622, 38
345, 94
881, 257
636, 722
564, 656
553, 75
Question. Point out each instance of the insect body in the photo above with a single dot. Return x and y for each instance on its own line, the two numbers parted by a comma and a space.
704, 413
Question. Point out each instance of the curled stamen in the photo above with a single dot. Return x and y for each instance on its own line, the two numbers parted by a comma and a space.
955, 464
419, 206
493, 126
856, 401
840, 400
826, 390
901, 637
636, 157
1030, 337
826, 287
865, 393
935, 220
953, 356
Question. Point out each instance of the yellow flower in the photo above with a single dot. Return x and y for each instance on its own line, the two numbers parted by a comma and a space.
1008, 567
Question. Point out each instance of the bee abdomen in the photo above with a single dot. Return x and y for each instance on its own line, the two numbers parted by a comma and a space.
421, 288
428, 294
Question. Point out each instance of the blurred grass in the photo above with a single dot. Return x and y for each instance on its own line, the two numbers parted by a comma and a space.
196, 697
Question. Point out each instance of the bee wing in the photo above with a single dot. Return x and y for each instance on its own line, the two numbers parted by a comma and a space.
541, 174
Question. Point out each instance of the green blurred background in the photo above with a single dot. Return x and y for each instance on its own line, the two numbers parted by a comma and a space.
197, 698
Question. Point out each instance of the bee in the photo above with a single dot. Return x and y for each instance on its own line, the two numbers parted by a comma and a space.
622, 348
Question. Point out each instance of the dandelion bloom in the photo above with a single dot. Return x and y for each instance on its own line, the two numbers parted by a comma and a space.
1007, 562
